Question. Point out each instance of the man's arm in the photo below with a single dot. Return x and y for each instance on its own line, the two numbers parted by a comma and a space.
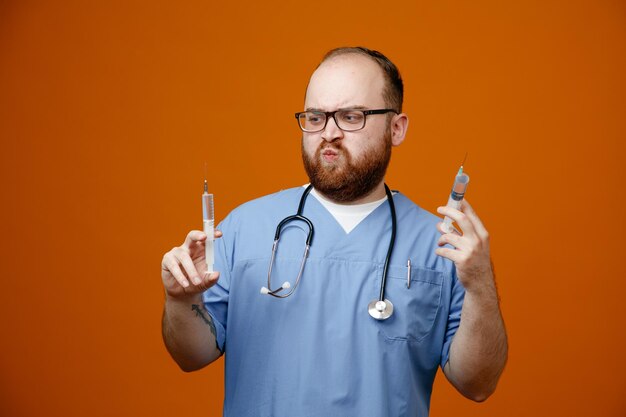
188, 330
189, 333
479, 350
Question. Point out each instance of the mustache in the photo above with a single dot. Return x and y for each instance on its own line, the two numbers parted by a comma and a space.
330, 146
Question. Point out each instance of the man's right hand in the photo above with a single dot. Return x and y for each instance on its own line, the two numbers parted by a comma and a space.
183, 269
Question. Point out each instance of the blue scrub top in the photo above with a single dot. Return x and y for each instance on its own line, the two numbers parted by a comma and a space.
318, 352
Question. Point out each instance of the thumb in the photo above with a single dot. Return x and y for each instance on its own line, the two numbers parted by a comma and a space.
208, 280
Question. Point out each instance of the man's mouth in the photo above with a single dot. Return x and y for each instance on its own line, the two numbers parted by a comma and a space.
330, 155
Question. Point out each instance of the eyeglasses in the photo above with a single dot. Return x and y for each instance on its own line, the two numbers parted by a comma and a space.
347, 120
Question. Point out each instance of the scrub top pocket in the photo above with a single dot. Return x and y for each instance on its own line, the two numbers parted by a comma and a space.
414, 308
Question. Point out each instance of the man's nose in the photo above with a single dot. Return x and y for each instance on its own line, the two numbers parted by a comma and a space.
332, 132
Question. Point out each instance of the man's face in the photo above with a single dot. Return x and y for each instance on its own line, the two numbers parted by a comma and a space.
346, 166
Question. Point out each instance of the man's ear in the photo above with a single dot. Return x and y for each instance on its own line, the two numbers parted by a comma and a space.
399, 126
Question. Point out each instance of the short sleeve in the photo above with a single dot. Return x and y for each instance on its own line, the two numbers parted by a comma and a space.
454, 316
216, 298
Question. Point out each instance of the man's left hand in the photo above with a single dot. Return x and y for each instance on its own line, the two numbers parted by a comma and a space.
471, 247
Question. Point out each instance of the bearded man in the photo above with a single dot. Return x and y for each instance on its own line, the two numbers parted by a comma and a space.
364, 297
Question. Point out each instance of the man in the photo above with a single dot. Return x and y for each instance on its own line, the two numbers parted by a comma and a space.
309, 347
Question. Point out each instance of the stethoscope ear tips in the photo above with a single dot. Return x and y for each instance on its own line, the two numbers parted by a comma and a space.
286, 285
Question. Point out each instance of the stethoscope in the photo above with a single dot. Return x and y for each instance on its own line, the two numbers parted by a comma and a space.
381, 308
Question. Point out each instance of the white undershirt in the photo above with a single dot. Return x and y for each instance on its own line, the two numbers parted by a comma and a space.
348, 215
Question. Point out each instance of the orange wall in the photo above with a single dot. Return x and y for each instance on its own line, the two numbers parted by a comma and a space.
108, 111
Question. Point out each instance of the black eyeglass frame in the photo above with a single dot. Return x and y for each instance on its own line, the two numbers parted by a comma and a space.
330, 114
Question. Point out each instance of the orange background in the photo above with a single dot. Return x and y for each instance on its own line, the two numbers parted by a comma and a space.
108, 111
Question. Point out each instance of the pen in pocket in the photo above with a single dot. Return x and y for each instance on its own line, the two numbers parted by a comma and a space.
408, 273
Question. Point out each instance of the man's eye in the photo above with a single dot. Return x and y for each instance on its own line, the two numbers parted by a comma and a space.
314, 118
352, 117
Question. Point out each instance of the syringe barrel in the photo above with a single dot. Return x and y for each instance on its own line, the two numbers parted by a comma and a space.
459, 187
207, 206
208, 223
209, 253
456, 197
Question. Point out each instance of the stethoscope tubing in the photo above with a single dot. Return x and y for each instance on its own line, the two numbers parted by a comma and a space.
392, 241
298, 216
380, 309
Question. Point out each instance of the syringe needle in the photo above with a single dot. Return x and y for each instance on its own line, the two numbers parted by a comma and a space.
462, 164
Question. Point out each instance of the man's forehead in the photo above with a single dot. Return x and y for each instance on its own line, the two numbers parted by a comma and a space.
348, 79
349, 64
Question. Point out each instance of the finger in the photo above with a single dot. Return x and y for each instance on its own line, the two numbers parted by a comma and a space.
444, 231
208, 280
459, 217
171, 264
448, 211
184, 259
452, 254
453, 239
194, 236
478, 224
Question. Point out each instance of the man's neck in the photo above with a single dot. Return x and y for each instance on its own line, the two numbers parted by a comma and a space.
376, 194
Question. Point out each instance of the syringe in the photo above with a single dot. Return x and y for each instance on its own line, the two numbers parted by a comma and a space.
456, 196
209, 226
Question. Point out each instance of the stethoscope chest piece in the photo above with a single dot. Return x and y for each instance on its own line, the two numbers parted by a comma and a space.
380, 310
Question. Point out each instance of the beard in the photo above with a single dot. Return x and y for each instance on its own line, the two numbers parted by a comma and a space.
346, 180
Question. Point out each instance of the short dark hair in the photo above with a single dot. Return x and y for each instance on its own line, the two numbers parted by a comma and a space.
394, 88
